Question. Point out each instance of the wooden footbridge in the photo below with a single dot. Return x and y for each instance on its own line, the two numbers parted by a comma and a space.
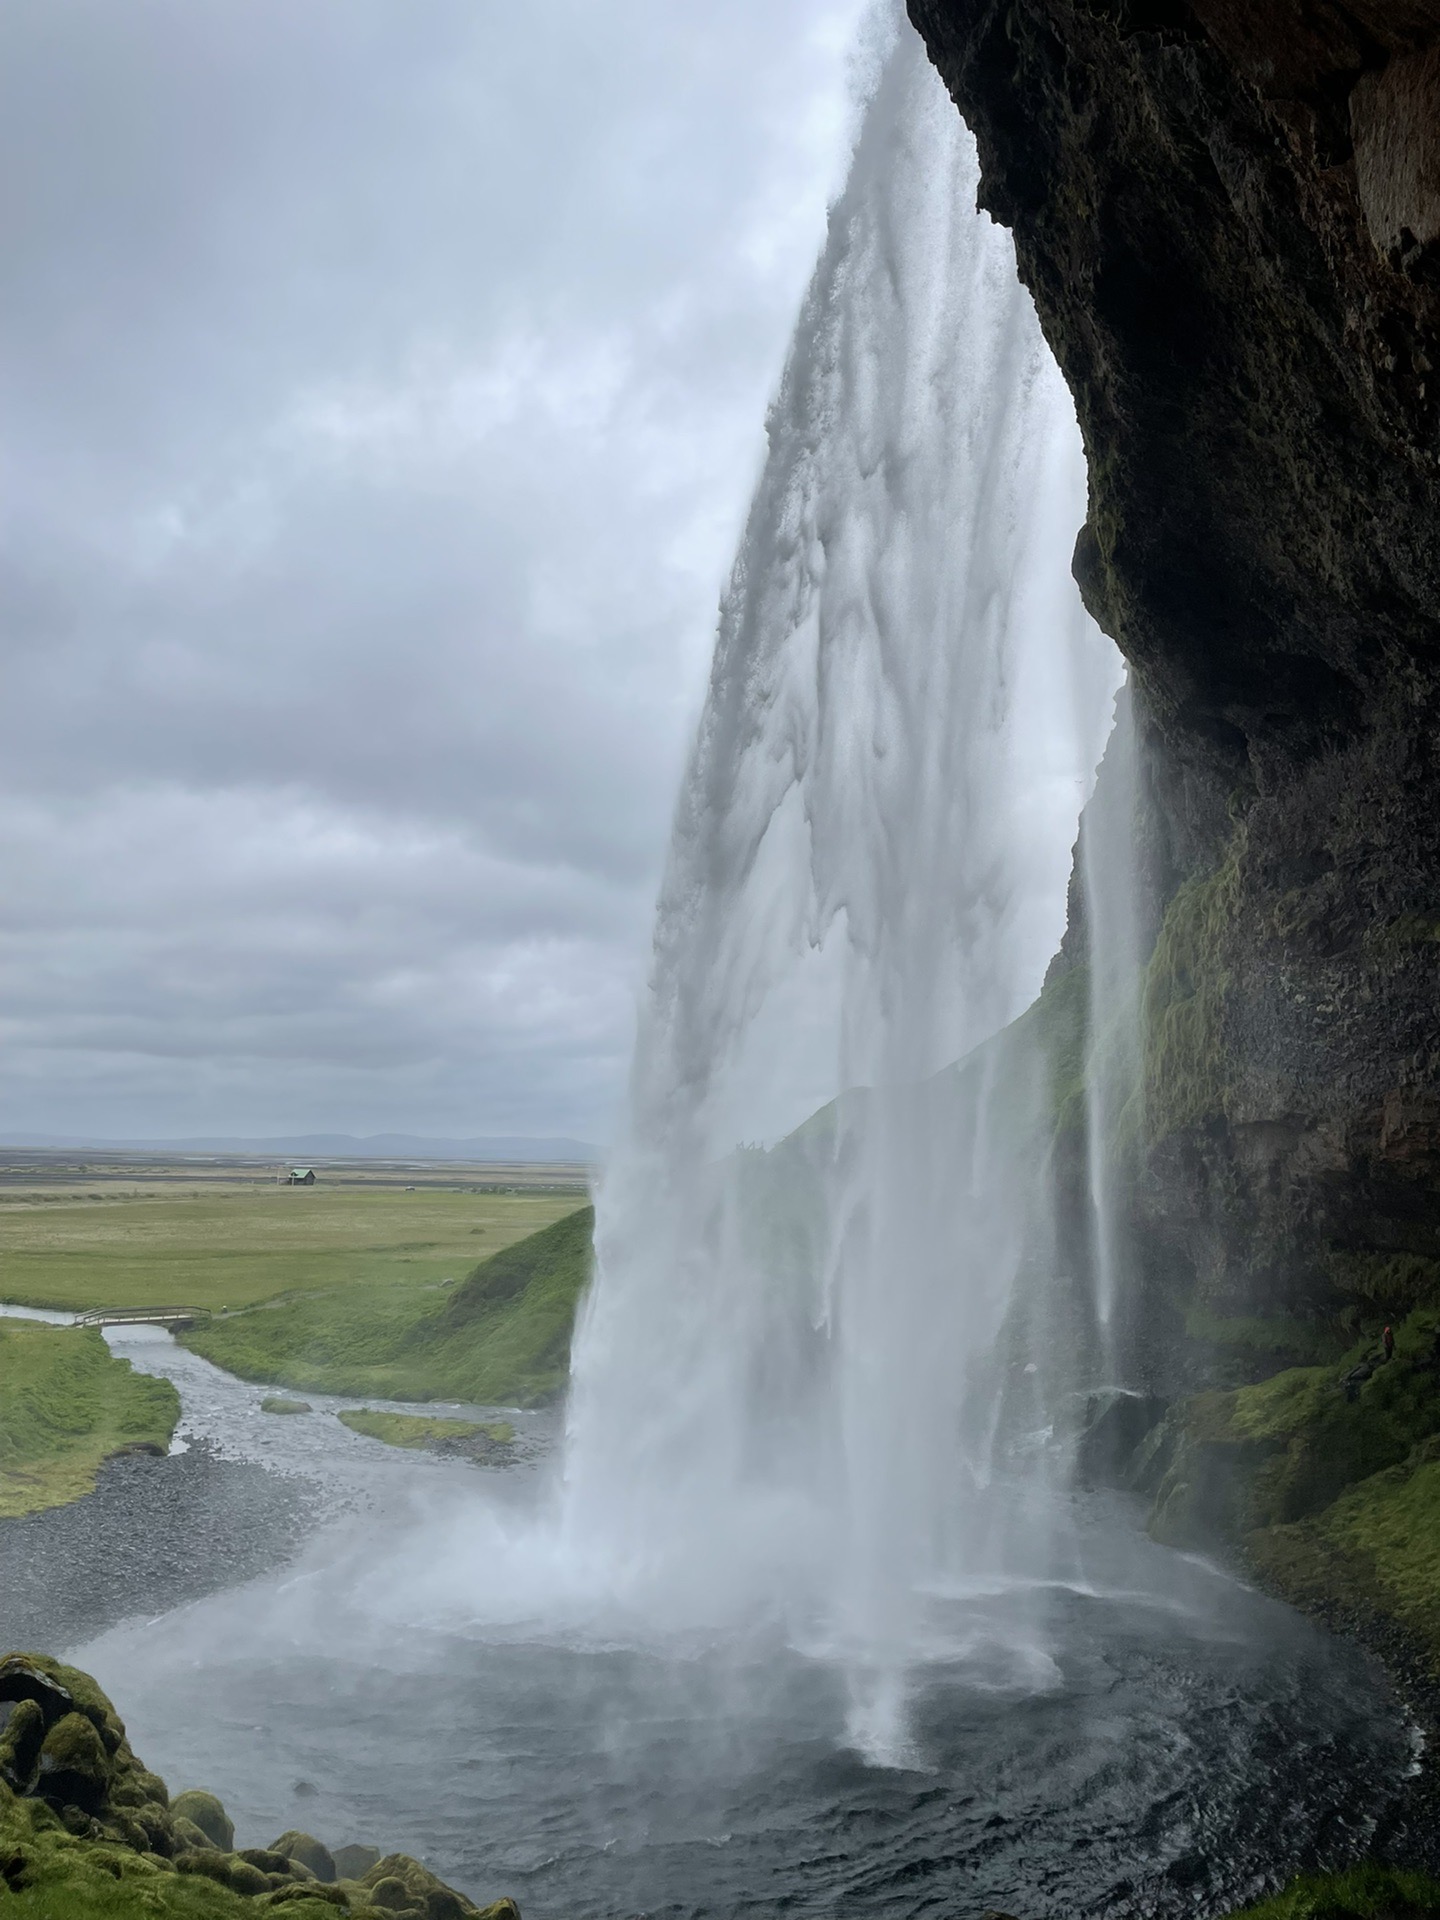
176, 1319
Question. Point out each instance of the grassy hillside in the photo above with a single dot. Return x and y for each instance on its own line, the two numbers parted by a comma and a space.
501, 1336
66, 1404
231, 1246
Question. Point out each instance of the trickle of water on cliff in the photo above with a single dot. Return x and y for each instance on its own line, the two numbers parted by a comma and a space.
786, 1379
1113, 946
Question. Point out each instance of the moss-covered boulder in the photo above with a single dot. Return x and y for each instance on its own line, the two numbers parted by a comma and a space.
309, 1853
22, 1734
204, 1811
95, 1833
353, 1862
401, 1886
74, 1767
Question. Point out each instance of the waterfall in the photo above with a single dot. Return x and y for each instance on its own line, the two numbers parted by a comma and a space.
786, 1378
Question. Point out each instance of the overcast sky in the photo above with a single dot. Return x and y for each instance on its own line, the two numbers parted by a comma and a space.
383, 385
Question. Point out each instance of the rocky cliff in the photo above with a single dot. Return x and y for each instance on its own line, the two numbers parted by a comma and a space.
1229, 217
1228, 214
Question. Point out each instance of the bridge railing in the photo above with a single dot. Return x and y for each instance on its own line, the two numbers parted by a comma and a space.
140, 1316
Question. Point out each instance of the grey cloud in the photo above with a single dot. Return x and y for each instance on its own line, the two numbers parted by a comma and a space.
382, 389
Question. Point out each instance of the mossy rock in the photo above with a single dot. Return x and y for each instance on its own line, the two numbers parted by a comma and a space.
205, 1811
188, 1836
399, 1884
87, 1818
21, 1739
74, 1766
354, 1861
391, 1895
1283, 1450
273, 1404
309, 1852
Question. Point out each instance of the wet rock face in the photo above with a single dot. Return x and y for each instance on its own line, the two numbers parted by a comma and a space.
1229, 216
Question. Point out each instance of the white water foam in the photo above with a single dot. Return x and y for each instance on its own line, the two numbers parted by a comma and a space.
779, 1394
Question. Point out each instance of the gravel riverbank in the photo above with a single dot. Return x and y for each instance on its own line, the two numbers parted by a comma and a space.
154, 1534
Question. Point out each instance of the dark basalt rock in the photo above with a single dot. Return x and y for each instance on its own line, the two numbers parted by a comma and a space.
1229, 217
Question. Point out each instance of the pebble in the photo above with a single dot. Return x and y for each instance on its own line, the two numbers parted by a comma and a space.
154, 1534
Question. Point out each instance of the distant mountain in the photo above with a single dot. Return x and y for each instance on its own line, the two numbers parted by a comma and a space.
510, 1149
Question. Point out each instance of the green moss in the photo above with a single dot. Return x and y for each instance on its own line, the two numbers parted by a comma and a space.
1187, 1065
1376, 1550
204, 1811
1060, 1024
415, 1430
1278, 1339
69, 1404
501, 1337
117, 1848
1367, 1892
271, 1405
1391, 1284
1281, 1451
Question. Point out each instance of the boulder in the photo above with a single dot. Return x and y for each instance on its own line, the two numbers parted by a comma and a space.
399, 1884
74, 1766
269, 1861
305, 1848
206, 1812
187, 1836
392, 1895
245, 1878
353, 1862
23, 1677
21, 1737
67, 1770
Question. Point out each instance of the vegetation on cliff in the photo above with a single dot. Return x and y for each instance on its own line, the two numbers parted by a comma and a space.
86, 1830
69, 1404
501, 1336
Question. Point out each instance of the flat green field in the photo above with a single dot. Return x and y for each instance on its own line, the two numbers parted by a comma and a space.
501, 1337
229, 1246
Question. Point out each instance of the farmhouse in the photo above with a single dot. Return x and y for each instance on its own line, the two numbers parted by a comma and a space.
301, 1177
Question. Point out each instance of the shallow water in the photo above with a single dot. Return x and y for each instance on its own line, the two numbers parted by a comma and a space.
1128, 1729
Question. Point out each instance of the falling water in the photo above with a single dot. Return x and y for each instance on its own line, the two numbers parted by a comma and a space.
1113, 949
806, 1495
783, 1388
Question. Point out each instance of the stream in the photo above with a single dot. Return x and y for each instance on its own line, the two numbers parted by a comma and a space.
1129, 1729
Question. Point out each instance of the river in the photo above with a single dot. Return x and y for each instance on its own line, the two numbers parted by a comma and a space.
1129, 1729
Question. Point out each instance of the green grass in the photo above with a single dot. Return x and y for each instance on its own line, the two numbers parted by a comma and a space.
1375, 1550
67, 1404
1366, 1892
500, 1337
1187, 1067
416, 1430
219, 1247
271, 1405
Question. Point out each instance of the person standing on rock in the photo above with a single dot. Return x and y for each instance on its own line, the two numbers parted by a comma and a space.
1388, 1338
